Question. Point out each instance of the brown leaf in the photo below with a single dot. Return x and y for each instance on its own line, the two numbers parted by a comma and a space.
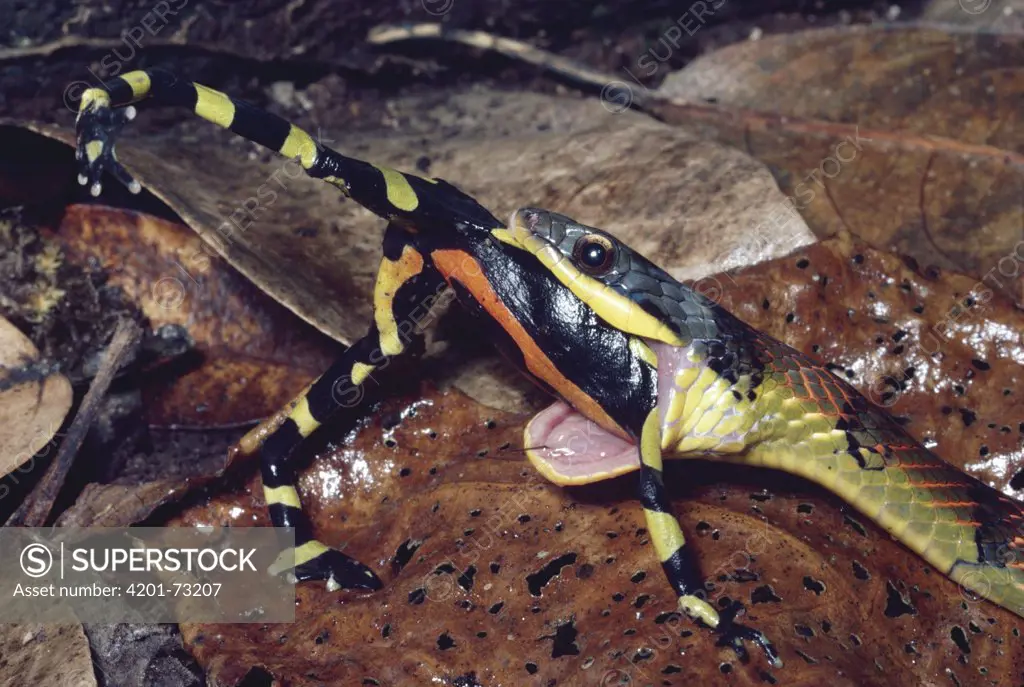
491, 572
941, 351
33, 399
45, 655
837, 594
254, 354
909, 137
120, 505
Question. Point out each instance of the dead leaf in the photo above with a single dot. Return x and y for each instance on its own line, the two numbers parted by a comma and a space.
34, 399
45, 655
253, 353
908, 137
940, 351
120, 505
433, 494
495, 576
133, 655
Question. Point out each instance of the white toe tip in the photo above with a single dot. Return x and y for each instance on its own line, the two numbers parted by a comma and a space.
96, 188
332, 585
130, 112
82, 180
135, 187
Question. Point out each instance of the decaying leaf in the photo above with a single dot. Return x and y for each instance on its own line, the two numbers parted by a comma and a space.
45, 655
128, 655
251, 354
493, 576
941, 351
34, 399
911, 138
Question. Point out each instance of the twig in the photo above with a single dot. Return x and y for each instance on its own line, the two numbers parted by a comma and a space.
514, 49
35, 509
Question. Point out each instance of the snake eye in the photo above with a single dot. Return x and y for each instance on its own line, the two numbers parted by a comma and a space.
594, 253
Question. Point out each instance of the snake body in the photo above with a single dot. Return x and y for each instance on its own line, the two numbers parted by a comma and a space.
731, 392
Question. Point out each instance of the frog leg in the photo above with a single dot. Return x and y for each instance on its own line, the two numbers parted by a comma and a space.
396, 196
405, 291
677, 559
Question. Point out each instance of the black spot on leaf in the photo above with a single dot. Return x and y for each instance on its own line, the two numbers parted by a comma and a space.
896, 605
860, 572
404, 553
564, 643
959, 638
813, 585
466, 579
540, 579
764, 594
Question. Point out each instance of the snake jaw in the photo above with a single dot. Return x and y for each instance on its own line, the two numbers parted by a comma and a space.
569, 449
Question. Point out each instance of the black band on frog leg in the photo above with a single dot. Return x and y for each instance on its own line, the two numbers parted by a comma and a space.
404, 288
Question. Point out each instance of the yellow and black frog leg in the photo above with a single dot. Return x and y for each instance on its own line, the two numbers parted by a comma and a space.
388, 193
677, 559
409, 202
406, 288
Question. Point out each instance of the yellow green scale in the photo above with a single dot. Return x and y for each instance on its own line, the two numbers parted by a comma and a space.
782, 431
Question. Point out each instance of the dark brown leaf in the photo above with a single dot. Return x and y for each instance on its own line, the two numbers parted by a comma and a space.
911, 138
845, 603
952, 371
252, 353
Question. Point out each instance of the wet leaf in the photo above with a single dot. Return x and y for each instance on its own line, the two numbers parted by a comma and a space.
487, 568
941, 351
911, 138
836, 593
34, 399
1003, 16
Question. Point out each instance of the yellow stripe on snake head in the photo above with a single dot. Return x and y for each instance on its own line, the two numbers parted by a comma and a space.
643, 351
613, 307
